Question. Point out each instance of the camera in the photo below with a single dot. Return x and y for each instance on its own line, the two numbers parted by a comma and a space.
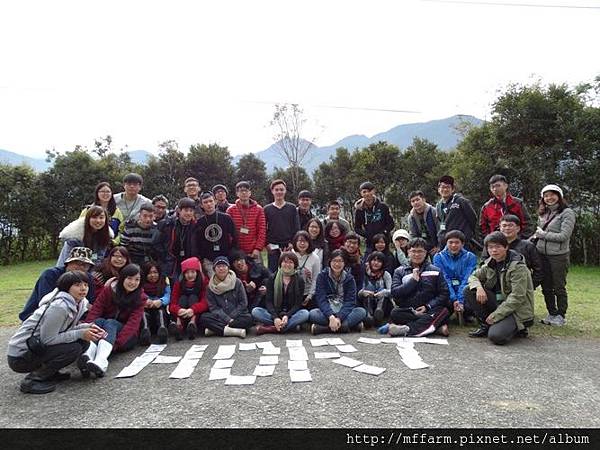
35, 345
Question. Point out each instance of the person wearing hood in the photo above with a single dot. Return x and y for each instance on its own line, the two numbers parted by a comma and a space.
52, 337
455, 212
400, 239
555, 226
227, 303
457, 265
118, 310
249, 220
423, 221
371, 216
501, 293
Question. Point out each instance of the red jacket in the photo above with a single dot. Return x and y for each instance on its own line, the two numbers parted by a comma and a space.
253, 219
199, 307
104, 307
493, 210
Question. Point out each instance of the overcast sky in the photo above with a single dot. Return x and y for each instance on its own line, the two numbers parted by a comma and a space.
200, 72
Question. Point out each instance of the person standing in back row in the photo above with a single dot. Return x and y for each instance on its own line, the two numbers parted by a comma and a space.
130, 201
282, 223
455, 212
304, 205
372, 216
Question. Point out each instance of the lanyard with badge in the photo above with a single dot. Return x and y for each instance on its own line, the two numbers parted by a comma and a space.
444, 212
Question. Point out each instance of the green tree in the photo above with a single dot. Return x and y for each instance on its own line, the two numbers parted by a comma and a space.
210, 164
250, 168
304, 182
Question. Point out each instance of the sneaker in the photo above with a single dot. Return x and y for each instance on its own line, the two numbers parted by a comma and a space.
383, 329
398, 330
369, 321
175, 331
191, 330
30, 386
60, 376
548, 319
208, 332
558, 321
145, 337
359, 327
82, 365
443, 331
378, 315
162, 335
482, 331
523, 333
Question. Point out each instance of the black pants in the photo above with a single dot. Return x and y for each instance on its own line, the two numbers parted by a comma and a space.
501, 332
420, 325
154, 319
554, 283
216, 324
54, 358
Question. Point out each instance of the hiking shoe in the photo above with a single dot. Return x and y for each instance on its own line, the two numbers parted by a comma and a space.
368, 322
162, 335
145, 337
175, 331
60, 376
523, 333
191, 330
82, 365
482, 331
398, 330
378, 315
548, 319
30, 386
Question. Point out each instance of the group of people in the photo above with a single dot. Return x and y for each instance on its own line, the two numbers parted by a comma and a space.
130, 269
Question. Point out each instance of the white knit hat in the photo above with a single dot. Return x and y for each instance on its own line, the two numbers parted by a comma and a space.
552, 187
400, 234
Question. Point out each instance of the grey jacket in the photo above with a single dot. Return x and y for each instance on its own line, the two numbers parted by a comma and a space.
230, 304
554, 240
60, 324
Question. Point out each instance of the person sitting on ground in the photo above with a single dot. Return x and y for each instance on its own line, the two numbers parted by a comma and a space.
228, 306
509, 227
335, 235
283, 310
103, 196
400, 239
420, 294
351, 252
91, 231
380, 244
109, 268
309, 266
118, 310
79, 259
457, 265
316, 232
254, 277
336, 299
52, 337
423, 221
188, 300
141, 236
155, 319
501, 293
376, 293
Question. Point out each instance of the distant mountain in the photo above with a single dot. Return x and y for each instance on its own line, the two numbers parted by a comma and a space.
40, 164
441, 132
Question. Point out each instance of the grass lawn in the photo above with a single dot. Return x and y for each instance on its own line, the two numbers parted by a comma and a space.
17, 281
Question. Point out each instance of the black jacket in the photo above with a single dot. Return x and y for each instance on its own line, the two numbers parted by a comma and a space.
457, 214
370, 221
293, 297
174, 239
431, 290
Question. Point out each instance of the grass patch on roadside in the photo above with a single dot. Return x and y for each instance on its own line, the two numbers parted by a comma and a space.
583, 317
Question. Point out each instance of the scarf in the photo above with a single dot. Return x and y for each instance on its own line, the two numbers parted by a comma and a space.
336, 300
155, 290
352, 259
278, 286
219, 287
375, 275
336, 243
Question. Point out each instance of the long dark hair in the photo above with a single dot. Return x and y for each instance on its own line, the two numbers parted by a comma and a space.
96, 239
341, 226
112, 205
106, 269
381, 237
161, 284
319, 242
121, 297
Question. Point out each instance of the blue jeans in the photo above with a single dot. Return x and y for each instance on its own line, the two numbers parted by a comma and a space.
111, 326
357, 315
263, 316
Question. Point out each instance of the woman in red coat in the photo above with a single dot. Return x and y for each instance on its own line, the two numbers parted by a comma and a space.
118, 310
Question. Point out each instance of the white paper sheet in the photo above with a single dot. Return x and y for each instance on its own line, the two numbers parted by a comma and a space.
240, 379
366, 340
268, 360
184, 369
326, 355
348, 362
414, 364
298, 354
297, 365
271, 351
245, 346
160, 359
199, 347
319, 342
346, 348
223, 363
335, 341
300, 376
264, 345
371, 370
264, 371
156, 348
391, 340
192, 354
293, 343
225, 352
137, 365
218, 374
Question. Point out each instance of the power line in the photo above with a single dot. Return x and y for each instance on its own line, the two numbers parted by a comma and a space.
356, 108
526, 5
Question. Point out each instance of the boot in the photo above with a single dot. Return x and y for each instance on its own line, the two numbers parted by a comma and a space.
175, 331
378, 314
100, 363
145, 337
83, 359
369, 321
398, 330
319, 329
191, 330
344, 329
266, 329
39, 381
162, 335
230, 331
482, 331
359, 327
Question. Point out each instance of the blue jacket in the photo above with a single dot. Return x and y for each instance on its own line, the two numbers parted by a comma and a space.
326, 287
457, 269
430, 291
